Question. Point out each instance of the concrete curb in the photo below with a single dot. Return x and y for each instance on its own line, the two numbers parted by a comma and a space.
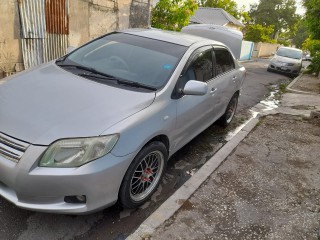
173, 203
244, 61
289, 89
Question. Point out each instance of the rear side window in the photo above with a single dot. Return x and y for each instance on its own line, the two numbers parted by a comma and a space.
224, 61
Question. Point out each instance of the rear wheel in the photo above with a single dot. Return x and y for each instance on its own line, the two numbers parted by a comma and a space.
227, 117
143, 175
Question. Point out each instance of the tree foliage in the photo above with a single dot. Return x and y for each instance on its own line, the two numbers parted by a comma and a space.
313, 45
313, 23
301, 34
258, 33
313, 17
229, 6
279, 13
173, 14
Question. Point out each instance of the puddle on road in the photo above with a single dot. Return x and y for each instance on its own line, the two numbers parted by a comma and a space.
268, 104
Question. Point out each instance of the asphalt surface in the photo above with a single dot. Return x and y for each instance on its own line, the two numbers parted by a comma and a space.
115, 223
268, 188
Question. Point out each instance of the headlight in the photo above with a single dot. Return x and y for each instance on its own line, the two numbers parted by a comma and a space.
78, 151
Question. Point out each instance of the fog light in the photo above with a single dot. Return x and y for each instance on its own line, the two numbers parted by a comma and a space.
75, 199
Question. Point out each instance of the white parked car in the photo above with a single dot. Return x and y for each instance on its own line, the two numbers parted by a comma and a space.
286, 60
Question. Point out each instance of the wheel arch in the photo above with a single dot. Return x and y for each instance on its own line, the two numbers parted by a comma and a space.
161, 138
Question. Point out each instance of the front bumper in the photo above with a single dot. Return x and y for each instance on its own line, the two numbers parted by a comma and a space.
284, 68
44, 189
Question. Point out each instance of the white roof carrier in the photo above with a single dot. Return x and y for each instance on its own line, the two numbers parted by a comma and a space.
230, 37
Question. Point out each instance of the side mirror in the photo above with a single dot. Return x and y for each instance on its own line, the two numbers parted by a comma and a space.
194, 87
70, 49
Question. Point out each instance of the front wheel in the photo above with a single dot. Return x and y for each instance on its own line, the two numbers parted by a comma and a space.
143, 175
227, 117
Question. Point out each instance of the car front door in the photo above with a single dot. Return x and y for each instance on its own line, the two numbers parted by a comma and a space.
194, 113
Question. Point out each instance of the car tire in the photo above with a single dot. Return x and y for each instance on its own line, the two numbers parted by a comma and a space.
269, 70
143, 175
227, 117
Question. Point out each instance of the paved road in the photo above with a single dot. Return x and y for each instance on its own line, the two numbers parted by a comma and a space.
114, 223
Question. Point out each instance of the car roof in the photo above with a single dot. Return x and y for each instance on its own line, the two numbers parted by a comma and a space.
170, 36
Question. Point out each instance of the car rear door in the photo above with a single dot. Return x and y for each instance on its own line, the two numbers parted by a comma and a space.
225, 82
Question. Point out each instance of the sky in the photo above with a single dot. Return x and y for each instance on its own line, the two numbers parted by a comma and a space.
247, 3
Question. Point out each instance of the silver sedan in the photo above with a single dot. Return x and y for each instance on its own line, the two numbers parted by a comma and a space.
286, 60
98, 125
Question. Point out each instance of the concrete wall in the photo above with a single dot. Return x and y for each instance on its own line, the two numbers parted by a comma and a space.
264, 49
88, 19
10, 43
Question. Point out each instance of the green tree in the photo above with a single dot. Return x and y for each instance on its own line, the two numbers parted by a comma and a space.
301, 34
313, 45
229, 6
313, 23
313, 17
173, 14
279, 13
258, 33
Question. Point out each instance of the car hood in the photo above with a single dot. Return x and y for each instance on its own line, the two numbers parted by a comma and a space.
47, 103
287, 60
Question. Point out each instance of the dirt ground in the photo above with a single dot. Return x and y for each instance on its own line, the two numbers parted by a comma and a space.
308, 83
269, 188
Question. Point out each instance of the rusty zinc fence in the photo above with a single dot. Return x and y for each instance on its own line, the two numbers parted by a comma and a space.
44, 30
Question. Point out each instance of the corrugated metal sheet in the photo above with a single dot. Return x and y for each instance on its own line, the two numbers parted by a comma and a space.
32, 51
44, 27
55, 46
57, 16
32, 18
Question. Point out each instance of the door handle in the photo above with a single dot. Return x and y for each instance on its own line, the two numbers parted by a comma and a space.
234, 78
213, 90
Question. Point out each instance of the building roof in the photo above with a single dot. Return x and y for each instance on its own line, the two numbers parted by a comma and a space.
216, 16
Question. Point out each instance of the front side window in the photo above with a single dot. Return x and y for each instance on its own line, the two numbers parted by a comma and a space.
200, 67
224, 61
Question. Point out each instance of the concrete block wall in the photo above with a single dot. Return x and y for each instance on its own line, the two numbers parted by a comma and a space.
264, 49
10, 42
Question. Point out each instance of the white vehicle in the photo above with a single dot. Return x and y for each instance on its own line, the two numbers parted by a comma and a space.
286, 60
230, 37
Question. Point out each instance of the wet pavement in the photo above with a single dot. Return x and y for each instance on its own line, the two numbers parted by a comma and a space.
115, 223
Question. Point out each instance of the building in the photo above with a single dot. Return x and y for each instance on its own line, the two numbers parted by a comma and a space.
37, 31
216, 16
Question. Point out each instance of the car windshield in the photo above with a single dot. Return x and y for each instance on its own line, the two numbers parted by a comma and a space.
289, 53
140, 60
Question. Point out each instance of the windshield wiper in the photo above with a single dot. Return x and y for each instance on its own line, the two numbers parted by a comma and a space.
89, 69
100, 76
118, 80
135, 84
